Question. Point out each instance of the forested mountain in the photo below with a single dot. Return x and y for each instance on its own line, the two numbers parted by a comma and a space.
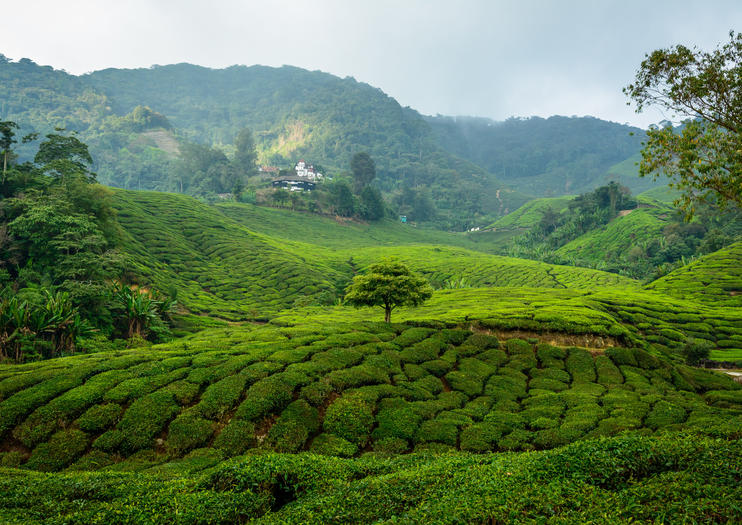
136, 121
142, 125
547, 157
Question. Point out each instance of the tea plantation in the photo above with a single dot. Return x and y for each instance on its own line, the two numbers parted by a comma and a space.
520, 392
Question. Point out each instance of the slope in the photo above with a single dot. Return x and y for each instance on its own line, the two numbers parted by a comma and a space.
614, 241
530, 213
715, 279
248, 269
338, 390
547, 157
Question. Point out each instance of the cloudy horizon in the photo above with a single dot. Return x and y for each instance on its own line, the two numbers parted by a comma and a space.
494, 59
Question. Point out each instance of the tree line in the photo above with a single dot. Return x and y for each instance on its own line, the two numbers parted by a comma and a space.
61, 277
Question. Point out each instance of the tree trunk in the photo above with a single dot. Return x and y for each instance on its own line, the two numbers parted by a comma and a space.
387, 314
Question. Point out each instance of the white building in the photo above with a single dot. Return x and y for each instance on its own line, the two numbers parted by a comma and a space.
306, 171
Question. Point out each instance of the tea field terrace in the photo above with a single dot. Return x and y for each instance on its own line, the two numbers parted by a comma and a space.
341, 390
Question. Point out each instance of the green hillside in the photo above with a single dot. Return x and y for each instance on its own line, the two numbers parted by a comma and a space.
716, 278
638, 227
530, 213
234, 262
518, 385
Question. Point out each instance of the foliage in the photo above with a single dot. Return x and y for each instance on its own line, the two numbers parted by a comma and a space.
704, 159
388, 284
695, 351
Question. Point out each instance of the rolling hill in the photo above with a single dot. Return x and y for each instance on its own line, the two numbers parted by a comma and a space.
513, 375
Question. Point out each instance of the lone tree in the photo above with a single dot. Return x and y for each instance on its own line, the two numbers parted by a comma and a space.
705, 158
388, 283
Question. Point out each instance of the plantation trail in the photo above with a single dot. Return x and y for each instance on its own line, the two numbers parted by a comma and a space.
595, 344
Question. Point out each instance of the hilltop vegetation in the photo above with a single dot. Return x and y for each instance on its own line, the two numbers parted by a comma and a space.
140, 122
607, 229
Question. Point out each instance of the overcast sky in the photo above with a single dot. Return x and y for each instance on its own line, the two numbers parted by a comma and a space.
490, 58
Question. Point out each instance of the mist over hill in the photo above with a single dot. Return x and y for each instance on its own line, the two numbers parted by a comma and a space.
547, 157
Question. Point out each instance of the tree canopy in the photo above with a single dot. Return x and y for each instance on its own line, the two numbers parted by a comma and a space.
389, 284
704, 158
363, 168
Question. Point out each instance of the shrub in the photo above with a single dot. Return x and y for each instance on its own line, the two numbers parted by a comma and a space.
426, 350
12, 459
483, 341
501, 387
391, 446
412, 336
608, 373
581, 366
414, 372
358, 376
99, 417
550, 373
507, 420
316, 392
221, 396
267, 395
184, 391
437, 367
614, 425
439, 432
109, 441
550, 356
297, 422
516, 440
551, 385
493, 357
518, 346
61, 450
396, 420
478, 408
556, 436
694, 350
349, 418
187, 432
664, 414
463, 382
621, 356
145, 418
453, 337
522, 362
236, 437
332, 445
480, 437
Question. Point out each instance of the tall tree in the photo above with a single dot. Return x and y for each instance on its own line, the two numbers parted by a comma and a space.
64, 156
363, 168
704, 159
6, 141
246, 156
